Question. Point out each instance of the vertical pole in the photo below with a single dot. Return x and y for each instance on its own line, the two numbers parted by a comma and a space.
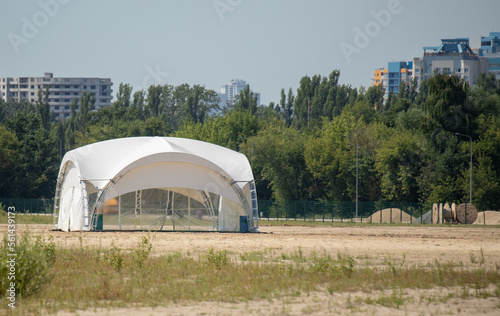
140, 208
304, 210
470, 167
172, 207
120, 212
356, 177
470, 182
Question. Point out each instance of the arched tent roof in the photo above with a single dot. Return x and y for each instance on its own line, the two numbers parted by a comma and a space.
118, 166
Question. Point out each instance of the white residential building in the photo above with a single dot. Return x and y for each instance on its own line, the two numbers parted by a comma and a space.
453, 56
62, 91
228, 92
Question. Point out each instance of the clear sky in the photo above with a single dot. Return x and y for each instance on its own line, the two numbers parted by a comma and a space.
269, 43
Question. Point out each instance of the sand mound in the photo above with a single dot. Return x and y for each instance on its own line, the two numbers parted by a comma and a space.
488, 218
388, 215
425, 219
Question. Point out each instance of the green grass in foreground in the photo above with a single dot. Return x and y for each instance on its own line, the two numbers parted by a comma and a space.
90, 277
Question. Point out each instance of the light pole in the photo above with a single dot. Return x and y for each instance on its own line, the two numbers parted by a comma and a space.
356, 177
470, 181
356, 174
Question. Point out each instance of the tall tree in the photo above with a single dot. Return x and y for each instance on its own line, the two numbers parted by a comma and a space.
87, 102
277, 153
9, 162
447, 104
375, 96
399, 161
38, 157
43, 108
288, 110
123, 95
201, 102
246, 100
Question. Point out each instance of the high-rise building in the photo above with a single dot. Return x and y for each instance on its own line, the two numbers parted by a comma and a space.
488, 47
453, 56
62, 91
392, 76
229, 91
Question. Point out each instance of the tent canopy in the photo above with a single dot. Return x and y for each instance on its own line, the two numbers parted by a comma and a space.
92, 175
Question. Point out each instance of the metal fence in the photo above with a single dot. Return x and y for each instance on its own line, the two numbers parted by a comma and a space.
32, 206
367, 212
372, 212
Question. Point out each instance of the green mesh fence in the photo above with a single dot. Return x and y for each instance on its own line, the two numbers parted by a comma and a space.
371, 212
33, 206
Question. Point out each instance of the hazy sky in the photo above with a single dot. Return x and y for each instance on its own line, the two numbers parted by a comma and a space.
269, 43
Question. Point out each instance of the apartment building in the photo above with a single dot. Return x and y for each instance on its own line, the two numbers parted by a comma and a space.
62, 91
392, 76
229, 91
453, 56
488, 47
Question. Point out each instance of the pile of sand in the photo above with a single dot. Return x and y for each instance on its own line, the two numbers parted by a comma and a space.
388, 215
425, 219
488, 218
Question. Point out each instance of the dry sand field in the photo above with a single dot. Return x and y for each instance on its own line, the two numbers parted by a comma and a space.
414, 244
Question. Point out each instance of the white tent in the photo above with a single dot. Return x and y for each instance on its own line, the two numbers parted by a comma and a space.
155, 183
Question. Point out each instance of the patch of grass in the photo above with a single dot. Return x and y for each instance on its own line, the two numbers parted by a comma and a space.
91, 277
395, 299
253, 256
28, 218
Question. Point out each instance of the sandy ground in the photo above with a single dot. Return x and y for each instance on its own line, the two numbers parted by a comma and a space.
417, 245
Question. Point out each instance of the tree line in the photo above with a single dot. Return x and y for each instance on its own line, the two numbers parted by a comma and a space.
412, 147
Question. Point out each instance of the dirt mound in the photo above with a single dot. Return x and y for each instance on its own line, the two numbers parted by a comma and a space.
488, 218
391, 215
426, 218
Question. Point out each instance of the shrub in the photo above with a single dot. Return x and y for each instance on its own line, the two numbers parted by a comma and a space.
114, 258
34, 259
217, 258
142, 252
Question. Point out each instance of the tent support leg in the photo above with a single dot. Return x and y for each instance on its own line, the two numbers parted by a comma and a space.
172, 205
166, 210
120, 212
138, 207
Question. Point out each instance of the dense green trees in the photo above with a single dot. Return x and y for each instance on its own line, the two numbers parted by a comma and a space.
410, 147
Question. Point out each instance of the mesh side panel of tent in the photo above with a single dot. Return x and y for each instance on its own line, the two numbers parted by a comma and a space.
168, 209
